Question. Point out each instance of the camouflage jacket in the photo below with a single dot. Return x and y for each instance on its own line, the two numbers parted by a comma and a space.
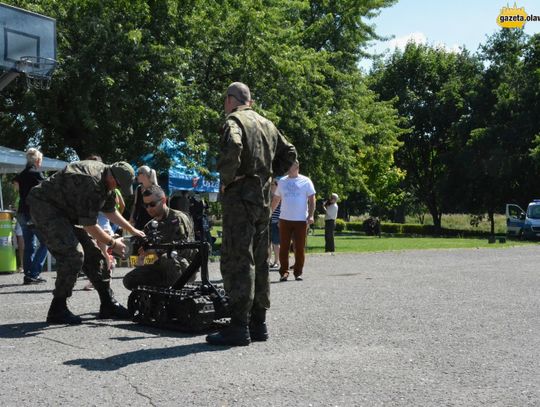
253, 149
176, 226
79, 191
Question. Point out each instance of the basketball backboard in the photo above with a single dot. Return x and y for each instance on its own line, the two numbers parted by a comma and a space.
25, 34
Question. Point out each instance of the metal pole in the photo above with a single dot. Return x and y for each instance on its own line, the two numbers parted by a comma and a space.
1, 196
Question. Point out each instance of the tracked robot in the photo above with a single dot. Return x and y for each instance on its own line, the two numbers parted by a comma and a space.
185, 306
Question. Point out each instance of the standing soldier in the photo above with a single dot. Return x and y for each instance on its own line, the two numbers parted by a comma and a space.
64, 209
252, 150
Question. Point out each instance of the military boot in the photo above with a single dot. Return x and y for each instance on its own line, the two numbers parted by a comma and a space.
60, 314
258, 330
234, 335
110, 308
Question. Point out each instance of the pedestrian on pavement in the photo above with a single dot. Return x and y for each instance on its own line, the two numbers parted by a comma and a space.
274, 230
64, 209
252, 150
296, 194
331, 211
35, 250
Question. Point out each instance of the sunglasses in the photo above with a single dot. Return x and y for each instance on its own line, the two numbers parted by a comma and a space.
151, 204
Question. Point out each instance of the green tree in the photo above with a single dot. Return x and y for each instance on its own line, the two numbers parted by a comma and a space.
296, 57
431, 88
134, 72
504, 125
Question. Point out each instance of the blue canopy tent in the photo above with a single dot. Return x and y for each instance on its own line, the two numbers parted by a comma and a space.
179, 176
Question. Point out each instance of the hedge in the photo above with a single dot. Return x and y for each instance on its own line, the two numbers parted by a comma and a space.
416, 229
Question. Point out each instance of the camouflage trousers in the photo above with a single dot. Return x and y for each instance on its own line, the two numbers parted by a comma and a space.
244, 258
73, 248
163, 273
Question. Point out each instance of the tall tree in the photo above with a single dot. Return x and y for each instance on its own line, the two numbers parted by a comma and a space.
504, 125
431, 90
135, 71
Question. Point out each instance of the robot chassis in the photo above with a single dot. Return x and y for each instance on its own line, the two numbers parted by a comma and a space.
182, 307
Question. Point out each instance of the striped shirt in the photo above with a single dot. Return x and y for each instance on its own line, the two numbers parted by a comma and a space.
275, 214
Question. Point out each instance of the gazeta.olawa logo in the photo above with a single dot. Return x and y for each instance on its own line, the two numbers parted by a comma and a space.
514, 17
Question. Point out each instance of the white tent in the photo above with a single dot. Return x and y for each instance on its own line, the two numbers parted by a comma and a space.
14, 161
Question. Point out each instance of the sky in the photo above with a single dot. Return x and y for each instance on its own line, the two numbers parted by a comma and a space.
444, 22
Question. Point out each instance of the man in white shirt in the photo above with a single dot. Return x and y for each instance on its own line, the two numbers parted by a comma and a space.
297, 196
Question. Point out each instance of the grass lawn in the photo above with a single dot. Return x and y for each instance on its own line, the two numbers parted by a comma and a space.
359, 243
353, 243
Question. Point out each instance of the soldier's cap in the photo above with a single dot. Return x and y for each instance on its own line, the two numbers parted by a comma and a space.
124, 175
239, 91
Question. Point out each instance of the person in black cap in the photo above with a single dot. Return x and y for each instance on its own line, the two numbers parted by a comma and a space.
64, 209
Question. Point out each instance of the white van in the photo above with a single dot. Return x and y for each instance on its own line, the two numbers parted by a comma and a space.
523, 224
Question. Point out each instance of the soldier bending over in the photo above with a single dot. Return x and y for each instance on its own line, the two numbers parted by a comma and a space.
64, 209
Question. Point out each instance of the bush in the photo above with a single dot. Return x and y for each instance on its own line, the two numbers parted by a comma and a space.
372, 226
408, 228
340, 225
319, 222
428, 230
354, 226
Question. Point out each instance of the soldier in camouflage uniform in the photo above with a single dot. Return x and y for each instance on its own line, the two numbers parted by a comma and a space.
172, 226
64, 209
252, 151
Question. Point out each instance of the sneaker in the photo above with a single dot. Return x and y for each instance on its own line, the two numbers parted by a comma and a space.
284, 277
298, 278
32, 280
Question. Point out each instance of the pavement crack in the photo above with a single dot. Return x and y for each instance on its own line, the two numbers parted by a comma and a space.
41, 336
136, 389
63, 343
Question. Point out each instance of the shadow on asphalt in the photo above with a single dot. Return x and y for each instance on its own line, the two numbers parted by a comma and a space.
26, 329
9, 285
26, 291
142, 356
150, 330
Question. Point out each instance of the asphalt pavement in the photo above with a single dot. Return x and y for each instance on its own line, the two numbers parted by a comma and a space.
411, 328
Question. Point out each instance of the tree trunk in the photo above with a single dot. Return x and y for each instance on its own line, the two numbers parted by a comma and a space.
436, 218
399, 214
491, 221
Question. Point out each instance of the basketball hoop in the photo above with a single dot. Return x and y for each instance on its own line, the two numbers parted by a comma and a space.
37, 70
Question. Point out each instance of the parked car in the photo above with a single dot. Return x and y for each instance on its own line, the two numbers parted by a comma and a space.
523, 224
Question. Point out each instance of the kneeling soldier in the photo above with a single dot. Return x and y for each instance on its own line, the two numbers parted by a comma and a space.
172, 226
